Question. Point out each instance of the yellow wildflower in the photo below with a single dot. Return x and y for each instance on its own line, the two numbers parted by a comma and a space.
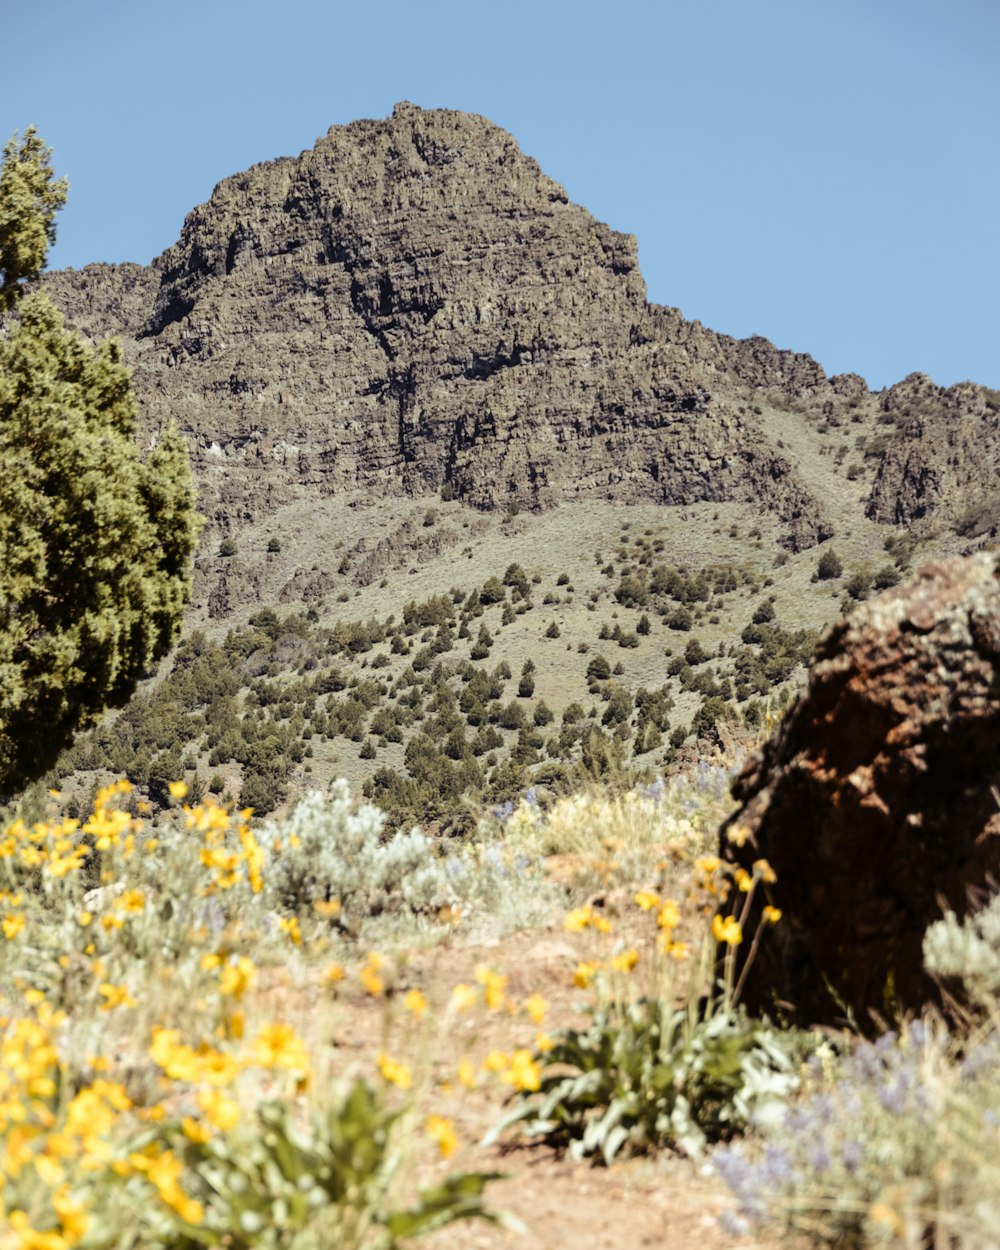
464, 997
584, 973
626, 961
115, 996
764, 870
467, 1074
772, 914
442, 1131
238, 977
333, 973
647, 900
220, 1111
415, 1002
394, 1072
494, 984
328, 907
727, 930
369, 975
536, 1007
72, 1217
279, 1046
178, 790
577, 920
669, 915
12, 926
524, 1072
132, 901
195, 1131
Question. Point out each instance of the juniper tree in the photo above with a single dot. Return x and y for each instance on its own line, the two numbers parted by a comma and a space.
30, 197
95, 543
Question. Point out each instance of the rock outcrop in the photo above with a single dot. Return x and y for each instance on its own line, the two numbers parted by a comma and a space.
942, 460
413, 304
877, 803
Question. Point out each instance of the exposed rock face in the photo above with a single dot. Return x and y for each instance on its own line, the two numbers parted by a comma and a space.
944, 458
413, 303
876, 802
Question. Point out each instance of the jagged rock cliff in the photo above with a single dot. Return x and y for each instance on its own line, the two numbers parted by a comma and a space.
942, 459
413, 305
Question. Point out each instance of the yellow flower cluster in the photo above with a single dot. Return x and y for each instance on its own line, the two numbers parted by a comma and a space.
275, 1047
583, 917
518, 1068
494, 987
442, 1131
163, 1169
54, 850
42, 1134
228, 865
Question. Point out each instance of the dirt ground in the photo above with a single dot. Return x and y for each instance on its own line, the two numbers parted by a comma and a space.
666, 1200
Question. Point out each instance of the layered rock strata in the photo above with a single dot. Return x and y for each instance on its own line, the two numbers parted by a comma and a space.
413, 305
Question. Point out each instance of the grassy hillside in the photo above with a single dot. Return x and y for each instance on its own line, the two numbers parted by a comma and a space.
584, 643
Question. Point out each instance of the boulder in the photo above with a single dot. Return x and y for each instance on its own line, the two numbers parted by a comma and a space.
877, 801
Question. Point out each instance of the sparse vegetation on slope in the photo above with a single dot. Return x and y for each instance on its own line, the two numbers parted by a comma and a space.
465, 696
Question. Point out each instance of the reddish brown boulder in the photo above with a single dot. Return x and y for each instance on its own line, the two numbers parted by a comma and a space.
876, 802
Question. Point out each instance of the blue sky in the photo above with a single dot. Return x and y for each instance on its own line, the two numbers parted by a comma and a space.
822, 172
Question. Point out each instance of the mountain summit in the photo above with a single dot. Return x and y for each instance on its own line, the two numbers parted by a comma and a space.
412, 306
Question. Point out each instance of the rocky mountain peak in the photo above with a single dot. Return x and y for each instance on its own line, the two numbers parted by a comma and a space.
412, 305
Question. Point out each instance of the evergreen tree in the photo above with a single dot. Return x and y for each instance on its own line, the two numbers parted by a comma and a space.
95, 544
30, 197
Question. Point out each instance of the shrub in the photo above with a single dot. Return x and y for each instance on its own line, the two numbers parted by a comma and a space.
334, 850
492, 592
829, 566
887, 576
647, 1072
619, 707
543, 714
330, 1177
968, 953
763, 613
895, 1144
